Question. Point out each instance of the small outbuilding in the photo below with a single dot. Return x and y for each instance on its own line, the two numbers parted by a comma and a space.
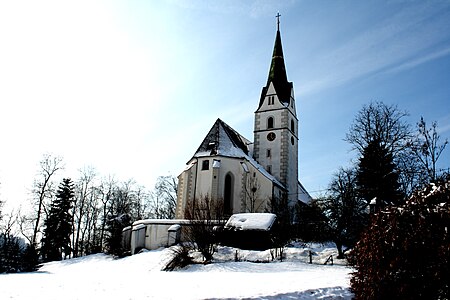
251, 231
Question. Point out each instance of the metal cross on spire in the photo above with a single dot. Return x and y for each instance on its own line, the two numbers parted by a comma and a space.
278, 20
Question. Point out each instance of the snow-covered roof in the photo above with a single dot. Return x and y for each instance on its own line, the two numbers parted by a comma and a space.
303, 194
251, 221
161, 222
222, 140
174, 227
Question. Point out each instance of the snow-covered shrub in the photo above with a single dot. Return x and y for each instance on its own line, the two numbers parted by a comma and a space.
180, 258
204, 214
405, 252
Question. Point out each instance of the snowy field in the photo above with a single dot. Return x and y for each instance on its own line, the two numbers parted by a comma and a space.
140, 277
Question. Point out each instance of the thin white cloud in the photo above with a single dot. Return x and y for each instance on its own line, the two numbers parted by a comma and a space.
396, 43
420, 60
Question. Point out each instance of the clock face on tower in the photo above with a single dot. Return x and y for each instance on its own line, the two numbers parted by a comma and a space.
271, 136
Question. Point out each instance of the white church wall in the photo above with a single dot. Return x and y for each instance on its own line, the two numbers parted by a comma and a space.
203, 186
233, 167
263, 193
211, 182
184, 188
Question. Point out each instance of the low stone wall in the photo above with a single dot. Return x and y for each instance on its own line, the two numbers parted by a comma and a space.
152, 234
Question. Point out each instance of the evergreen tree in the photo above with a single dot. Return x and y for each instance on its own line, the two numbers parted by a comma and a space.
376, 175
10, 253
58, 225
30, 259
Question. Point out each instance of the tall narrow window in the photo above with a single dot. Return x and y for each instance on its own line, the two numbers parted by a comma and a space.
292, 126
228, 194
270, 122
269, 153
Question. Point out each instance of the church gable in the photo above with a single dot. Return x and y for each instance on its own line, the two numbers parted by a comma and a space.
223, 140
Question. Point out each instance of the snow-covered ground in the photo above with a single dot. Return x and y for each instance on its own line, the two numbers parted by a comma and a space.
140, 277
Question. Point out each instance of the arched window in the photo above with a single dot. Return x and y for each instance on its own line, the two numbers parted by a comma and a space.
292, 126
228, 194
269, 122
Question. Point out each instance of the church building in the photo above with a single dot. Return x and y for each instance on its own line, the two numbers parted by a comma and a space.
246, 175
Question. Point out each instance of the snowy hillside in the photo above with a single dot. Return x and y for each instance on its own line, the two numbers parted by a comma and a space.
140, 277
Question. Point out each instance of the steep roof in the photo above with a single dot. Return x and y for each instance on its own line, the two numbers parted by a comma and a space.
277, 74
223, 140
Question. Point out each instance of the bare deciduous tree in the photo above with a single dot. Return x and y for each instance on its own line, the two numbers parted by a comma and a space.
44, 189
204, 214
252, 201
84, 195
428, 149
345, 211
386, 124
106, 190
381, 122
164, 198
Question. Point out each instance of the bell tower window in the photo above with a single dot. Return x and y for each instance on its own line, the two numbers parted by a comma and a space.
292, 126
270, 122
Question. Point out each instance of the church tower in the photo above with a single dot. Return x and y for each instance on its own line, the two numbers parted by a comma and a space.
276, 125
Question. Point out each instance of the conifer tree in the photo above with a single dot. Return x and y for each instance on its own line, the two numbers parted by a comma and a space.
376, 175
30, 259
58, 225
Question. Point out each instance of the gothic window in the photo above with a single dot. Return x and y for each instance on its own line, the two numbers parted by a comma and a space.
292, 126
271, 100
269, 122
292, 140
228, 194
205, 165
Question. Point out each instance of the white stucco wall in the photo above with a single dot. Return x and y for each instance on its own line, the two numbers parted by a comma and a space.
211, 182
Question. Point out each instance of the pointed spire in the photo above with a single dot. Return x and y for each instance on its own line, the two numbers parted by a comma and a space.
277, 71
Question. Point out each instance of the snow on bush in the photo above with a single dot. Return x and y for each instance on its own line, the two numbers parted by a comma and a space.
405, 253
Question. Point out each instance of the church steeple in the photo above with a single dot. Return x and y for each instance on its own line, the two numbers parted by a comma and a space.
275, 144
277, 71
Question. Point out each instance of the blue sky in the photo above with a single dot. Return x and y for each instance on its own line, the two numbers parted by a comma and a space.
132, 87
